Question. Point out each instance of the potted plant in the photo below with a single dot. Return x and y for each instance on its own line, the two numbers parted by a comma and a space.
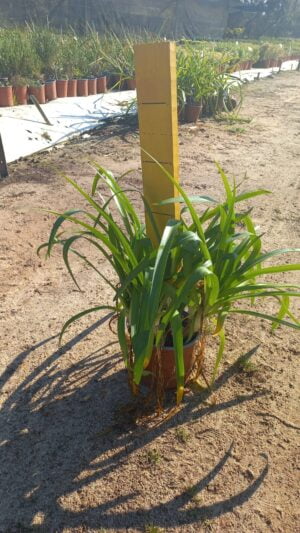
20, 87
68, 63
50, 90
197, 71
37, 88
173, 293
118, 57
18, 59
6, 93
62, 86
101, 83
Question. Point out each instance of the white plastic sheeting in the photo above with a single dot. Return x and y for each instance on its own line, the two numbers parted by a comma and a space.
24, 132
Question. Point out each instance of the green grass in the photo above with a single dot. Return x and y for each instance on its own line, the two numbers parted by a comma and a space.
238, 130
182, 435
153, 456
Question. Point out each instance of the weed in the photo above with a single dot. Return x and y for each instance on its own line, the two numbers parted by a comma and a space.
237, 129
192, 492
248, 367
232, 118
150, 528
207, 524
182, 435
153, 456
46, 136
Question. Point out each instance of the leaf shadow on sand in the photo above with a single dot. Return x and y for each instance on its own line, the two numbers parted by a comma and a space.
58, 434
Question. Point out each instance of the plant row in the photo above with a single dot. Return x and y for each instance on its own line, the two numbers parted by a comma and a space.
49, 64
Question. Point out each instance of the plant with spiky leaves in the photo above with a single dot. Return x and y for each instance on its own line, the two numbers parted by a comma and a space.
200, 272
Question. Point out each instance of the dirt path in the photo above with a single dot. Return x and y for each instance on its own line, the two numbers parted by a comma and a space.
70, 459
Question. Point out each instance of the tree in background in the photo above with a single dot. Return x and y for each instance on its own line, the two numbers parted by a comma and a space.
260, 18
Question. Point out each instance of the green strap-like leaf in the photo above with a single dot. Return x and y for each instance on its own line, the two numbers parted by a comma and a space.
177, 333
80, 315
265, 317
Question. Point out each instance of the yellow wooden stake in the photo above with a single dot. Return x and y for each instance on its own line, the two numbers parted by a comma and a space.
155, 68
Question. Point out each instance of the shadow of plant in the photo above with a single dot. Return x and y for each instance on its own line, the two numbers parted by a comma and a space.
59, 434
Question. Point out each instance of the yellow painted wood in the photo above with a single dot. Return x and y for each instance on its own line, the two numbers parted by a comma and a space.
155, 67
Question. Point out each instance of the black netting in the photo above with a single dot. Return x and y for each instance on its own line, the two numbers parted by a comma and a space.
173, 18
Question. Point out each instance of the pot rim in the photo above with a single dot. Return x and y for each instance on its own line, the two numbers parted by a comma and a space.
193, 341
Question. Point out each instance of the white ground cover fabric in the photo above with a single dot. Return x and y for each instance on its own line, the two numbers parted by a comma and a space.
24, 131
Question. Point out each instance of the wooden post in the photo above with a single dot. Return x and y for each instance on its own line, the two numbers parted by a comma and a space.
155, 68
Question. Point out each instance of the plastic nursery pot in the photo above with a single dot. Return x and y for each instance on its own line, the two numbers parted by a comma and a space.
50, 90
92, 85
82, 88
192, 112
39, 93
20, 94
131, 84
62, 88
6, 96
115, 82
168, 370
72, 87
101, 84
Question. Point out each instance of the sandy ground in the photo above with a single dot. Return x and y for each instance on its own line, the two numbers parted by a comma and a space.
71, 458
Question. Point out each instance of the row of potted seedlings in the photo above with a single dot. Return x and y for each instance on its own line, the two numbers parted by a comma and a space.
266, 63
19, 93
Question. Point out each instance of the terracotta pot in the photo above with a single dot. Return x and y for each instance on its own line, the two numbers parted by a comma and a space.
72, 88
50, 90
101, 84
62, 88
168, 370
82, 88
92, 86
6, 96
39, 93
131, 84
192, 112
21, 95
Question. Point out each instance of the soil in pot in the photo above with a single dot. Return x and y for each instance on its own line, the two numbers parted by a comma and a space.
92, 85
62, 88
192, 112
82, 88
50, 90
72, 88
39, 93
101, 84
6, 96
168, 370
20, 93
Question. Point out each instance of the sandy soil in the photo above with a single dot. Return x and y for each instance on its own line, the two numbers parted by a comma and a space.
71, 458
